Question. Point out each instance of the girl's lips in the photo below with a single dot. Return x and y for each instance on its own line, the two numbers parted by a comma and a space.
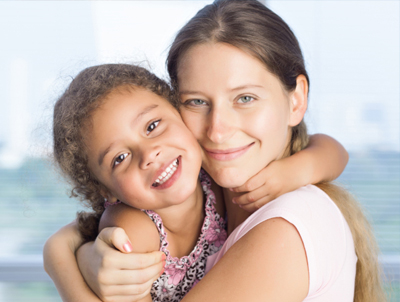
173, 178
228, 154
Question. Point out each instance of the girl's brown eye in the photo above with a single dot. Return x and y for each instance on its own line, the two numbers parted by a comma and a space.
152, 126
119, 159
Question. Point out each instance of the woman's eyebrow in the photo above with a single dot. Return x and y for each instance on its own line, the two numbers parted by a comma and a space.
135, 121
246, 86
232, 89
189, 92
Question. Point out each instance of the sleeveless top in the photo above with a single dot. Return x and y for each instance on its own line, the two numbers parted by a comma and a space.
181, 274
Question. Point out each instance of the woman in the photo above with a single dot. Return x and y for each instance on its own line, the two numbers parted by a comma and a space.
243, 89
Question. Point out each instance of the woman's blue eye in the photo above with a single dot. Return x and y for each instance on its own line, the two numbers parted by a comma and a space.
245, 99
197, 102
152, 126
119, 159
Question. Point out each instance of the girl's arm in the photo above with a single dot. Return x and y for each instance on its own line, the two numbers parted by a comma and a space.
99, 260
140, 229
274, 269
60, 263
324, 159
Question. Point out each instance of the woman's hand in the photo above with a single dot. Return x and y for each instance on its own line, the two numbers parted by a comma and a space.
324, 159
112, 272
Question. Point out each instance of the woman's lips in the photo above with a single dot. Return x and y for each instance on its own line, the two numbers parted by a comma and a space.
228, 154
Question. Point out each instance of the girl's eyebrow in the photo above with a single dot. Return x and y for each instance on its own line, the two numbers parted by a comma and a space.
135, 121
145, 111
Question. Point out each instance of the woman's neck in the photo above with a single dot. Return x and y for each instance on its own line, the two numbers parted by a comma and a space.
236, 215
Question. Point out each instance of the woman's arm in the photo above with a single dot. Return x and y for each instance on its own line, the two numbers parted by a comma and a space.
273, 269
324, 159
60, 263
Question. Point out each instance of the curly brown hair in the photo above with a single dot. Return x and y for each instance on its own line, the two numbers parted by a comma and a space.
73, 111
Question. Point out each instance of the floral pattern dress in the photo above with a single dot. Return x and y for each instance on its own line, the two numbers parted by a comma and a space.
181, 274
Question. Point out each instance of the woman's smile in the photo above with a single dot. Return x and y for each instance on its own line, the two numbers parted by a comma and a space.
228, 154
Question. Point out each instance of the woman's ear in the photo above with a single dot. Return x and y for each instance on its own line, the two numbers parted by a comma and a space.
298, 101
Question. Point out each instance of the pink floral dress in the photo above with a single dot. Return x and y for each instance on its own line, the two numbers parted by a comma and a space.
181, 274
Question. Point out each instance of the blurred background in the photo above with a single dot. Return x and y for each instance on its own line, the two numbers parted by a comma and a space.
351, 50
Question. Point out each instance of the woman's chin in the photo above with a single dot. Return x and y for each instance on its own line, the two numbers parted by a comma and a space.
228, 177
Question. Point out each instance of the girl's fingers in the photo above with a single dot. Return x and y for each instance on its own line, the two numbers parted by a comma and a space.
136, 290
251, 197
128, 298
132, 276
252, 207
116, 237
141, 261
252, 184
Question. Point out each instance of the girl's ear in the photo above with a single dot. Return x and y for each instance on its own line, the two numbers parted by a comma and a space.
108, 196
298, 101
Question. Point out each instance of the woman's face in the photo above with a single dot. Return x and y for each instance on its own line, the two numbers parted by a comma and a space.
141, 151
237, 110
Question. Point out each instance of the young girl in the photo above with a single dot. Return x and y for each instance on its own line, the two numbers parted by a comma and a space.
125, 148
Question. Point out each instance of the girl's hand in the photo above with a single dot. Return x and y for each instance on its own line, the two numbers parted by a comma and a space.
271, 182
324, 159
112, 272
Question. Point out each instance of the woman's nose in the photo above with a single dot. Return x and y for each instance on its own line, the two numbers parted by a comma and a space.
150, 155
221, 125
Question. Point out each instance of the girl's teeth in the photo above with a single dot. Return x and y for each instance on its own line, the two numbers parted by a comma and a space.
169, 171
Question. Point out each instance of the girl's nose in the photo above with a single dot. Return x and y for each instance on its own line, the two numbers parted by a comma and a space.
221, 125
150, 155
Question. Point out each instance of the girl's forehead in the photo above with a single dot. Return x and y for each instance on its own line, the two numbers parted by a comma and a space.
130, 99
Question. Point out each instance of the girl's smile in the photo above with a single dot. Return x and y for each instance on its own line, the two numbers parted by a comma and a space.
168, 176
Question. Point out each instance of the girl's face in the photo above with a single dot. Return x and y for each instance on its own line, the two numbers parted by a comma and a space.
236, 109
141, 151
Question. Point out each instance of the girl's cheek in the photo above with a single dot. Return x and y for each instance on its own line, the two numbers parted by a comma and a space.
193, 122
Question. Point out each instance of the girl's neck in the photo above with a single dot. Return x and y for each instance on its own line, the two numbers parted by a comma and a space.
236, 215
186, 218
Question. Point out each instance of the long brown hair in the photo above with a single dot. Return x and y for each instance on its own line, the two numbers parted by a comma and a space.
253, 28
72, 112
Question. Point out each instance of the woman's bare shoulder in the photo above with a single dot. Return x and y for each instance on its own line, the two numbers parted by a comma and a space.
140, 229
